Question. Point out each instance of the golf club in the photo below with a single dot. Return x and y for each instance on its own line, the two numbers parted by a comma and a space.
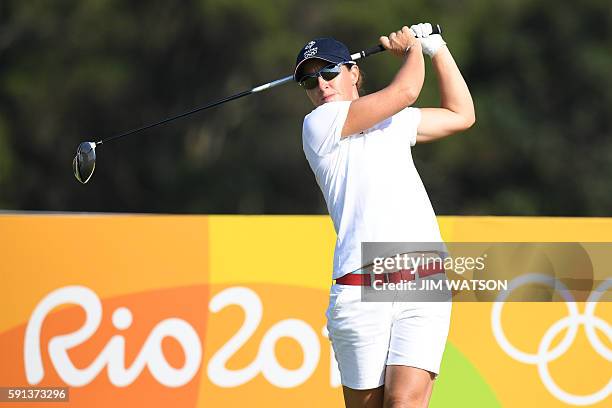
84, 162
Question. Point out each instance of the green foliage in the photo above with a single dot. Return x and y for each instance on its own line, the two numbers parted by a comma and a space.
6, 161
72, 71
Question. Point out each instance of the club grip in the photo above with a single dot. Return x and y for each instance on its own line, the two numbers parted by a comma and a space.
435, 29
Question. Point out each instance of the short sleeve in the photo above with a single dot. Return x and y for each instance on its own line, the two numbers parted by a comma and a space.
322, 128
409, 120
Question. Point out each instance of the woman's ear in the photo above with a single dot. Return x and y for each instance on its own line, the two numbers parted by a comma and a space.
354, 70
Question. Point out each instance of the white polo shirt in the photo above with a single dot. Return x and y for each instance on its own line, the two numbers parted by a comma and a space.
372, 189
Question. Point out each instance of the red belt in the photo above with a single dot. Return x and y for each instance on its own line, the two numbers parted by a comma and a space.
391, 277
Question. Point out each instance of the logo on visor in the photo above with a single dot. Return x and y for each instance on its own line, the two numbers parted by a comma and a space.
309, 51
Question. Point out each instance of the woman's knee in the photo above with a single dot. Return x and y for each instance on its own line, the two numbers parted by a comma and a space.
407, 387
413, 399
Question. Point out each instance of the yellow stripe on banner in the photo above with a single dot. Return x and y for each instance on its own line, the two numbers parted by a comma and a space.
298, 250
286, 250
525, 229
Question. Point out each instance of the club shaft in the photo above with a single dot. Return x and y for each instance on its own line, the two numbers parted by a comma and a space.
361, 54
161, 122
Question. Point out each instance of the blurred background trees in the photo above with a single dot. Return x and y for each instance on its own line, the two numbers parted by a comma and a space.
73, 71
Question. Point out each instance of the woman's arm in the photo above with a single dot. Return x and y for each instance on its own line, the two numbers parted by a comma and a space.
366, 111
456, 111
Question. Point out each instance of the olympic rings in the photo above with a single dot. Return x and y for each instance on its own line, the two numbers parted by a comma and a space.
570, 322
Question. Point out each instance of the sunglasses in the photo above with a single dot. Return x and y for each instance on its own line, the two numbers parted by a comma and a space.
310, 81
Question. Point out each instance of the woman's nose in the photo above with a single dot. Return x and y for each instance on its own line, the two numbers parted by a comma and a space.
322, 82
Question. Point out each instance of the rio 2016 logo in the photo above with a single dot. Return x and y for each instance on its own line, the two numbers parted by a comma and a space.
112, 356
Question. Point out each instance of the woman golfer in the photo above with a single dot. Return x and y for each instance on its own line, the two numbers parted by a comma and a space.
359, 148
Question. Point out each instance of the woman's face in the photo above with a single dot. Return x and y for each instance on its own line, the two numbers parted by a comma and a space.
341, 88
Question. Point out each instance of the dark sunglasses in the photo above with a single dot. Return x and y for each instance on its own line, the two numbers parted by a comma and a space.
310, 81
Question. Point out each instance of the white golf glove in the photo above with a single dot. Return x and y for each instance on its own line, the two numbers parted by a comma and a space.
430, 43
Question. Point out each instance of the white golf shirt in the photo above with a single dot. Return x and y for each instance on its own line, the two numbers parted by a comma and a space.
372, 189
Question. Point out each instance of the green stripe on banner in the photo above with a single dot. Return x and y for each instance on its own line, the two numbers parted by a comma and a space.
460, 384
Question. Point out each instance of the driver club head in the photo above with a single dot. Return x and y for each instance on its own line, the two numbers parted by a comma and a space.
84, 161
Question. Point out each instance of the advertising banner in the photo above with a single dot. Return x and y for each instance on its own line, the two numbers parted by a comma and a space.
208, 311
